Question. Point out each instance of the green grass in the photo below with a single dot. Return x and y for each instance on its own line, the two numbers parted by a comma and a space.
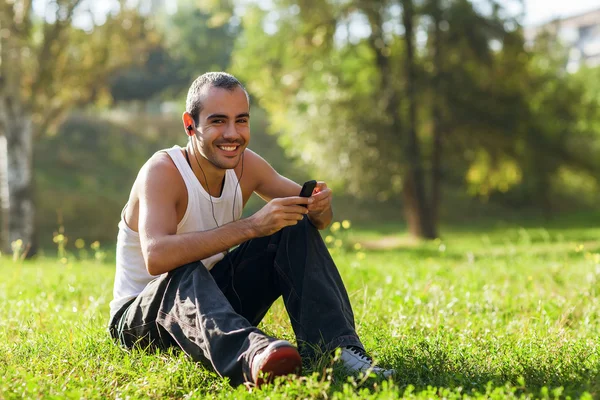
509, 312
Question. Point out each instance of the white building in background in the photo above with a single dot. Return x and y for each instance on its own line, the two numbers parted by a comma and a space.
579, 33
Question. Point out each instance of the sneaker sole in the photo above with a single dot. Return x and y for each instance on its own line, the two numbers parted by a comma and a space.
284, 360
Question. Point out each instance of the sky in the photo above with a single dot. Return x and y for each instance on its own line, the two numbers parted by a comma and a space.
540, 11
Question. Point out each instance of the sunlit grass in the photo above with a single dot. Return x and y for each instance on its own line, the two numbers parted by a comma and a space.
506, 313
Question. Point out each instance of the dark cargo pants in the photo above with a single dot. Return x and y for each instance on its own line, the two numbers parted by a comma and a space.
212, 316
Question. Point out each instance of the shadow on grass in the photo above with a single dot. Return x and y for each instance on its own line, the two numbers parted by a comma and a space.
461, 375
424, 253
431, 371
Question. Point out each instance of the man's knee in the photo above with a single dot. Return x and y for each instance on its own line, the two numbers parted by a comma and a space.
187, 268
303, 230
305, 224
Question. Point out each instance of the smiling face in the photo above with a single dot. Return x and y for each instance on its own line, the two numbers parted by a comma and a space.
223, 129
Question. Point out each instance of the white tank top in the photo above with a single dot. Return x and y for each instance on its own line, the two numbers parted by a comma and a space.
131, 274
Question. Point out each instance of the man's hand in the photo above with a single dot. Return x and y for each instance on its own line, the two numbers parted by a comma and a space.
321, 199
319, 211
279, 213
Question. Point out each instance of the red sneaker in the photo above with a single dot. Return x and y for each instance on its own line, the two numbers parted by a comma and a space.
277, 359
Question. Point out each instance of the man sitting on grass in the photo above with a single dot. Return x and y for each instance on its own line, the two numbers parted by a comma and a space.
177, 282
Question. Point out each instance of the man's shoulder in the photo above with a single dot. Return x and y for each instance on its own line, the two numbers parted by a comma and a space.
160, 163
253, 159
161, 171
253, 165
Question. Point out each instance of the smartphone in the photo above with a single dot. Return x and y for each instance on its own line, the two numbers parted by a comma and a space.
307, 189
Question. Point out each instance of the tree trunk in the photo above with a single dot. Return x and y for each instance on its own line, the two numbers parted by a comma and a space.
19, 139
17, 126
411, 207
436, 162
4, 204
417, 210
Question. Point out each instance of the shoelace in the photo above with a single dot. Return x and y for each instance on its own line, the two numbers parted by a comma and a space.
361, 353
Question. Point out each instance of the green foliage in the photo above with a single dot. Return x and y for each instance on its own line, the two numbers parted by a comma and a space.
60, 66
319, 96
512, 121
155, 74
197, 38
511, 312
201, 37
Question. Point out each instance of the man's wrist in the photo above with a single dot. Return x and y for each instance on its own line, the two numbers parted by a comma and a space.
247, 227
321, 220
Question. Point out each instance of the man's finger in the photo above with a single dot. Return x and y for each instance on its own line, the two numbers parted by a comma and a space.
321, 186
295, 209
321, 195
318, 208
321, 199
291, 221
293, 200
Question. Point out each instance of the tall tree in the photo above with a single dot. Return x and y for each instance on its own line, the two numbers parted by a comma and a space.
48, 66
377, 94
4, 205
438, 128
416, 205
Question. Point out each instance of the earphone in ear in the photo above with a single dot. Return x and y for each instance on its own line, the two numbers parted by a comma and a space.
190, 128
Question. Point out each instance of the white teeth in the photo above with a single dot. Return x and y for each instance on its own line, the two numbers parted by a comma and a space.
228, 148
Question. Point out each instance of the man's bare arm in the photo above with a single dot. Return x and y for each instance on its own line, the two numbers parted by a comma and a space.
270, 184
165, 253
164, 250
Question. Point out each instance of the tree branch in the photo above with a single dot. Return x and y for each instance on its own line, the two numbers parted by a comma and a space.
52, 34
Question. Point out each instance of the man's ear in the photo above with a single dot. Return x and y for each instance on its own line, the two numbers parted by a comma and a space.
188, 124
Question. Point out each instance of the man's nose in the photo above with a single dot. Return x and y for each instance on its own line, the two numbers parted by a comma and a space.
230, 131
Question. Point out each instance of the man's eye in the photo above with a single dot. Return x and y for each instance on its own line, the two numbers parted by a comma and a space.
218, 121
242, 121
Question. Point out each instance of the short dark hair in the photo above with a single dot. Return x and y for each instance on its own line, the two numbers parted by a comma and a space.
223, 80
